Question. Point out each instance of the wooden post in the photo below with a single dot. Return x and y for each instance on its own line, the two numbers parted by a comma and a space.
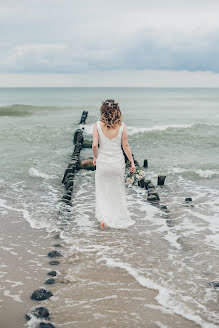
160, 179
145, 163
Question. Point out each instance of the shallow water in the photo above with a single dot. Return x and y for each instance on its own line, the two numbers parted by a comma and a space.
158, 270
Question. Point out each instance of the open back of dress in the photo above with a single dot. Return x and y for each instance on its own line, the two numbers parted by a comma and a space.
111, 204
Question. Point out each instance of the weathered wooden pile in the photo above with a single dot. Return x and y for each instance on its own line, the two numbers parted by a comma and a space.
73, 166
42, 294
83, 117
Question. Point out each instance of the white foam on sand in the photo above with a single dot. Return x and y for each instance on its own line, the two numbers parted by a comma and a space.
166, 297
14, 297
26, 215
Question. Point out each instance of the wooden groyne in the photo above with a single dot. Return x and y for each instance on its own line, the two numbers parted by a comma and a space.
73, 166
41, 294
138, 177
83, 117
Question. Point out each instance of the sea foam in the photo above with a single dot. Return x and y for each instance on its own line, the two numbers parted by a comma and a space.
166, 297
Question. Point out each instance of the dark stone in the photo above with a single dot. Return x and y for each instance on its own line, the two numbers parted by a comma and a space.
57, 245
57, 236
146, 183
151, 198
179, 240
145, 163
54, 254
170, 223
214, 284
160, 179
164, 208
50, 281
52, 273
46, 325
27, 317
87, 164
41, 294
54, 262
151, 185
188, 199
39, 312
152, 192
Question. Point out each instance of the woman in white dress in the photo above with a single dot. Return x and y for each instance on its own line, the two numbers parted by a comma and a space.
110, 132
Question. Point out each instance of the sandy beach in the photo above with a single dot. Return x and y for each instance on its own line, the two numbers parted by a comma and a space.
24, 267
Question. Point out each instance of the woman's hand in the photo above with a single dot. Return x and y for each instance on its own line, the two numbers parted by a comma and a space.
132, 168
94, 161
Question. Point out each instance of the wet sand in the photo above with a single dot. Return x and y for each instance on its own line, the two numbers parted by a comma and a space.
91, 295
24, 267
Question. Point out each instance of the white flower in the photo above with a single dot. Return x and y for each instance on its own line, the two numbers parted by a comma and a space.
130, 180
139, 174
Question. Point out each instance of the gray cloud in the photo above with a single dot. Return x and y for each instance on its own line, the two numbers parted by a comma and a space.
66, 37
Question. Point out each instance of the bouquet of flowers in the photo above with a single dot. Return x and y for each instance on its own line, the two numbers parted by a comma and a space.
137, 176
130, 179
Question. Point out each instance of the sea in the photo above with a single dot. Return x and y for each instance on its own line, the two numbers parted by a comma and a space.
160, 272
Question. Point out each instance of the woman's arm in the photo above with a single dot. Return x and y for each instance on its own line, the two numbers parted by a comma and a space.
127, 149
95, 142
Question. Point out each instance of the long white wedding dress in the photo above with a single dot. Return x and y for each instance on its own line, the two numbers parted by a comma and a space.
111, 206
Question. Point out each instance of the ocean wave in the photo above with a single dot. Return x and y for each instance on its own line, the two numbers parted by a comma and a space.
132, 130
88, 128
23, 110
15, 110
35, 173
206, 174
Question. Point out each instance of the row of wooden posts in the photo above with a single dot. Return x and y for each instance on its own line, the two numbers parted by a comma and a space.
75, 164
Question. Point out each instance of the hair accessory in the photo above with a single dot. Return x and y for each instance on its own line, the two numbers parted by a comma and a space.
111, 103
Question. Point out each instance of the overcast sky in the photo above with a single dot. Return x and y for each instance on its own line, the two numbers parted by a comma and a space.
109, 41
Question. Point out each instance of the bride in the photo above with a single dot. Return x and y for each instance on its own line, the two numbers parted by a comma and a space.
110, 132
